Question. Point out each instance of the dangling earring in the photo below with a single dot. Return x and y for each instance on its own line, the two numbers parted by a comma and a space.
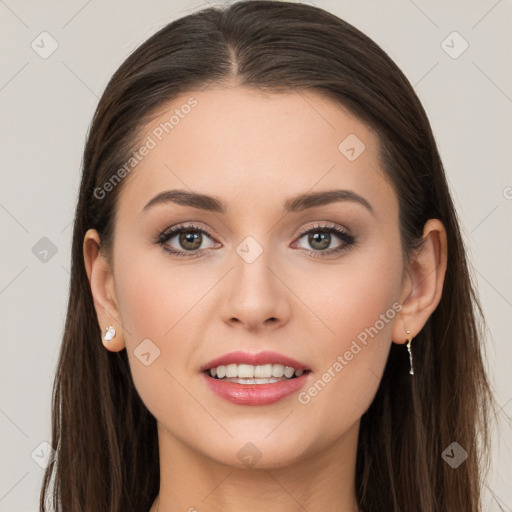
411, 371
110, 333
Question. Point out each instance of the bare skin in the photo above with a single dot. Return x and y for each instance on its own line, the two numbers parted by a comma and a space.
254, 152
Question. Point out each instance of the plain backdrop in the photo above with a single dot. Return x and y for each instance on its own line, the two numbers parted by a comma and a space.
47, 105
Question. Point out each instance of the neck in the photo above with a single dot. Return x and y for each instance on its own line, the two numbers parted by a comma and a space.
191, 482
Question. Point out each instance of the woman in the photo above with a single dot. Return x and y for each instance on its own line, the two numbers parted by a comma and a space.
270, 306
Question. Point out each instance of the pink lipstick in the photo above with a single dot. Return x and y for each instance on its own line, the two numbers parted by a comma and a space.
261, 378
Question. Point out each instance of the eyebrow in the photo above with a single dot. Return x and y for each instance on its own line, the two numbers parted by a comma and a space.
294, 204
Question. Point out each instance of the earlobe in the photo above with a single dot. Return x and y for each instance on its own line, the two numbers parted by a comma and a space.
101, 282
424, 284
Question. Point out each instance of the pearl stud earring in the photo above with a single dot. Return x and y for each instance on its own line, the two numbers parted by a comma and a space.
110, 333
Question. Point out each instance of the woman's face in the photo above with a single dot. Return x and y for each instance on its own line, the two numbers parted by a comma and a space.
263, 275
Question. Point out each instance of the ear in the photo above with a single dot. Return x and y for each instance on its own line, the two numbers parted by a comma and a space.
101, 282
423, 285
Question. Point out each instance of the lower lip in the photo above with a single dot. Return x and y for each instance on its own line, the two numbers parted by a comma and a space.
255, 394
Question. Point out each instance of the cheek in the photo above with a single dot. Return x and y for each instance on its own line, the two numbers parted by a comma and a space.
352, 296
153, 293
359, 310
161, 306
357, 302
153, 302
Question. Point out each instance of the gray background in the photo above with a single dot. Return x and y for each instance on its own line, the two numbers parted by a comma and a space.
46, 107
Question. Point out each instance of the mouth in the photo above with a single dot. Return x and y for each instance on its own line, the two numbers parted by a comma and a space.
262, 378
248, 374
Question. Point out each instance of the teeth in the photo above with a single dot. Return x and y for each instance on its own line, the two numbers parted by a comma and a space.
263, 371
289, 371
260, 374
277, 370
245, 371
231, 370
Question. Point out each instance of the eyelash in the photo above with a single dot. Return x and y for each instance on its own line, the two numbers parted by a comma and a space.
347, 239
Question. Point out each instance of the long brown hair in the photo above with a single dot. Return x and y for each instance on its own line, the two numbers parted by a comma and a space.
106, 439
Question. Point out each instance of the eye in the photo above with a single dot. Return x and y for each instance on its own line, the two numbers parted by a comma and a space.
189, 240
322, 237
184, 240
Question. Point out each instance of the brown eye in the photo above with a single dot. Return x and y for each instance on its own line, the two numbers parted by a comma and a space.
186, 240
319, 240
190, 240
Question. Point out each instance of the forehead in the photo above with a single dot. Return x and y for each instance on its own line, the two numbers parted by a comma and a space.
251, 146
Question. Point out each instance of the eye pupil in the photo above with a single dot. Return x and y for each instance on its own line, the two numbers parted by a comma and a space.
322, 237
190, 237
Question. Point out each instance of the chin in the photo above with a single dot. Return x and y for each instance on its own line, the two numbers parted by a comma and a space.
258, 454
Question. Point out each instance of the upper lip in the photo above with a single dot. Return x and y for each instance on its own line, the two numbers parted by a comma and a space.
255, 359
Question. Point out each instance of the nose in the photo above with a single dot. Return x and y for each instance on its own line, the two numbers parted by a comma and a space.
256, 297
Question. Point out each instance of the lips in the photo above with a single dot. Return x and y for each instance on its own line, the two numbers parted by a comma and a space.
259, 390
